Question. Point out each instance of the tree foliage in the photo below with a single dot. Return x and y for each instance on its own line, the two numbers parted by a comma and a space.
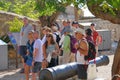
15, 25
49, 16
21, 7
47, 9
105, 9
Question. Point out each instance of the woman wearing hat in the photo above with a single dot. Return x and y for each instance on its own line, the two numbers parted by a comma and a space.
82, 50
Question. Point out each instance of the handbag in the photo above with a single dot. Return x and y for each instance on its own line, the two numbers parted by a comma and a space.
49, 57
61, 53
44, 64
91, 72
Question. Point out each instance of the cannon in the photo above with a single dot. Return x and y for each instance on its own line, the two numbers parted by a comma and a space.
101, 61
65, 71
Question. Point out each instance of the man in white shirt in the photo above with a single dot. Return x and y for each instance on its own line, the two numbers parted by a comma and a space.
37, 56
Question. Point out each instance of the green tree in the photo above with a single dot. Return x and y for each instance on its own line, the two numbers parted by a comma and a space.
46, 10
50, 9
21, 7
105, 9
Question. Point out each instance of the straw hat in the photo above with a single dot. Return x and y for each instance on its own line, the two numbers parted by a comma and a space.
79, 30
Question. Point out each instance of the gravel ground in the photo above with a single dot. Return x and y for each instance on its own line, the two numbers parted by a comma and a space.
104, 73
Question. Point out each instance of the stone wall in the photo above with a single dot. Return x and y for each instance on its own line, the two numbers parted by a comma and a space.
104, 24
7, 16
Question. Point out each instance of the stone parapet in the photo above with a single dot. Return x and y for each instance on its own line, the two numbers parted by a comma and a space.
8, 16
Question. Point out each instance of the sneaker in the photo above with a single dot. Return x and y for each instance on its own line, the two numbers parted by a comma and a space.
22, 70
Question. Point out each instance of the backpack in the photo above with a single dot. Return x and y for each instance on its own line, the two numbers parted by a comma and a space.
100, 39
57, 38
73, 40
91, 52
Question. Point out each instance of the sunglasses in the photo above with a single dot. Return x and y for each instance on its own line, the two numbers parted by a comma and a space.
30, 33
76, 33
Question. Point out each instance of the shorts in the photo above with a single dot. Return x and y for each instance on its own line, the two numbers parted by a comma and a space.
37, 67
82, 71
29, 61
23, 51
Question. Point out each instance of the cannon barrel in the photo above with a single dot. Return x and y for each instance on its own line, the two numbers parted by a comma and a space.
100, 61
60, 72
65, 71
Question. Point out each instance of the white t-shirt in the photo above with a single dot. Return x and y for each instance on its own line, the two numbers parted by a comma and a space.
38, 45
80, 58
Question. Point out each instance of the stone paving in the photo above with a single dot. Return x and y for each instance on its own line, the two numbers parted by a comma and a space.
104, 73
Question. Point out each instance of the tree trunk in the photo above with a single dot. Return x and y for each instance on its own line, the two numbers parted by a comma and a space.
48, 20
116, 61
76, 13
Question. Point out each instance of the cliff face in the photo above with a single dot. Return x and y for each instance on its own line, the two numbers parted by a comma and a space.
7, 16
